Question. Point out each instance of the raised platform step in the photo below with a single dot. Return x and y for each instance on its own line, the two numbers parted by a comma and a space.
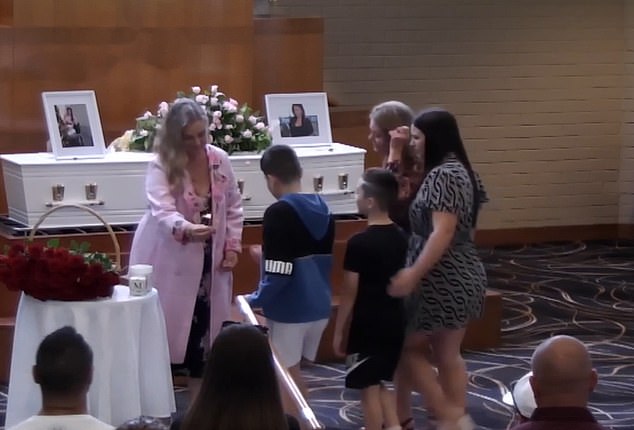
6, 341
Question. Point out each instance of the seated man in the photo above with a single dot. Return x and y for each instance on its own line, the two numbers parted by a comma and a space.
63, 370
562, 381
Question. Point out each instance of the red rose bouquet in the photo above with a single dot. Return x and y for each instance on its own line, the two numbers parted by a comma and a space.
54, 273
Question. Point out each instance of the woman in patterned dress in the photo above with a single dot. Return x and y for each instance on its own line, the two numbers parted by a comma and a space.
444, 282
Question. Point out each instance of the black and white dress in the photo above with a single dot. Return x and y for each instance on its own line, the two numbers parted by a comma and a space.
453, 291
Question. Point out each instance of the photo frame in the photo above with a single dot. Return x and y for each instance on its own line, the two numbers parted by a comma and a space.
74, 125
299, 118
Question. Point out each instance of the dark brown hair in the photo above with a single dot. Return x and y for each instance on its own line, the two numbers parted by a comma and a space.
239, 389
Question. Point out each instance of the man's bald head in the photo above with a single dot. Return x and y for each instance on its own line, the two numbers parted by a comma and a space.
562, 372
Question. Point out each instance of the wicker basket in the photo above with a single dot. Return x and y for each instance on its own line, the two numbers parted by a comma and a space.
101, 287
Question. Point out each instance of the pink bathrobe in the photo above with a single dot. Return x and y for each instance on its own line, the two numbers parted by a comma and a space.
160, 241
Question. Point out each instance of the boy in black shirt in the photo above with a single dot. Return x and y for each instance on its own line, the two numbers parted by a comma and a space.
377, 325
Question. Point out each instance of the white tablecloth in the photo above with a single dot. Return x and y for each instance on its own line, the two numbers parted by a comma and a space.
132, 375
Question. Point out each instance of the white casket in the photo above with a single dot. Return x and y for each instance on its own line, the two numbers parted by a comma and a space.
118, 184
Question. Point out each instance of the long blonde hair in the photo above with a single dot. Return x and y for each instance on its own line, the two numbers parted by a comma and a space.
170, 147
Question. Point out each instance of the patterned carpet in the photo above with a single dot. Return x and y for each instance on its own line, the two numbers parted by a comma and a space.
581, 289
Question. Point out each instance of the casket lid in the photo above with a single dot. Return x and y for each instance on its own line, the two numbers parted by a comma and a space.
47, 158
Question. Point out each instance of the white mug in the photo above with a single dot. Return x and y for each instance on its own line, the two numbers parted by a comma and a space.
141, 270
138, 286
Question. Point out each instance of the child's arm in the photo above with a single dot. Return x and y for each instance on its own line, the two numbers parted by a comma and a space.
278, 261
349, 295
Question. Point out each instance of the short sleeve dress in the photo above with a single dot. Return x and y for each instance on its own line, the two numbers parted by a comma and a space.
453, 291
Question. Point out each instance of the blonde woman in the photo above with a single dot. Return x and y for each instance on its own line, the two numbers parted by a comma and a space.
190, 234
396, 154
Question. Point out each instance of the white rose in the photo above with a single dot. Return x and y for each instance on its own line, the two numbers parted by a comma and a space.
218, 122
127, 136
217, 114
232, 109
202, 99
226, 105
228, 138
260, 126
163, 108
214, 100
196, 90
147, 115
247, 134
253, 119
228, 127
144, 132
212, 126
214, 89
233, 102
239, 118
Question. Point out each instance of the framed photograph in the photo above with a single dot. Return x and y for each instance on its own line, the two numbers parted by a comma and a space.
300, 118
74, 126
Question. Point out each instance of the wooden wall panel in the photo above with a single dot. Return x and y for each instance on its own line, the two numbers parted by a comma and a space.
134, 54
6, 12
288, 57
130, 72
351, 126
6, 64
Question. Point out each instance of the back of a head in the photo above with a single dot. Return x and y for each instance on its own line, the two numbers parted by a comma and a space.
562, 366
382, 185
281, 162
63, 364
391, 114
239, 390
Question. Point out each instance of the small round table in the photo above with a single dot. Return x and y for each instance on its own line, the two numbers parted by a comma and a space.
132, 374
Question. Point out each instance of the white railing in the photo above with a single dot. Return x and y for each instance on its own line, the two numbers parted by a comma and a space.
305, 410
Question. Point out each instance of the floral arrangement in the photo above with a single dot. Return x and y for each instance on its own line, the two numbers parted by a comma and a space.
55, 273
231, 127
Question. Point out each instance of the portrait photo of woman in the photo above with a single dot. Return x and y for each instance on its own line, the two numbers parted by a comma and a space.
299, 125
73, 125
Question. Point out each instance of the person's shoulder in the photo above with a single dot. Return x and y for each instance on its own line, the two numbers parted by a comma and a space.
360, 238
446, 172
279, 208
93, 423
27, 424
279, 215
217, 152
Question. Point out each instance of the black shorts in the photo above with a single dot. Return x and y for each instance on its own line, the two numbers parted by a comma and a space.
366, 370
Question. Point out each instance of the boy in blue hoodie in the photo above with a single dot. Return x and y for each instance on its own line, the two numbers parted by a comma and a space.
298, 232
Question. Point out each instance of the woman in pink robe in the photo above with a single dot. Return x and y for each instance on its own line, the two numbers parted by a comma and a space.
192, 259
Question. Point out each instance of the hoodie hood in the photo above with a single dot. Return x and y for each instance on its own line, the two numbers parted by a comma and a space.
313, 212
